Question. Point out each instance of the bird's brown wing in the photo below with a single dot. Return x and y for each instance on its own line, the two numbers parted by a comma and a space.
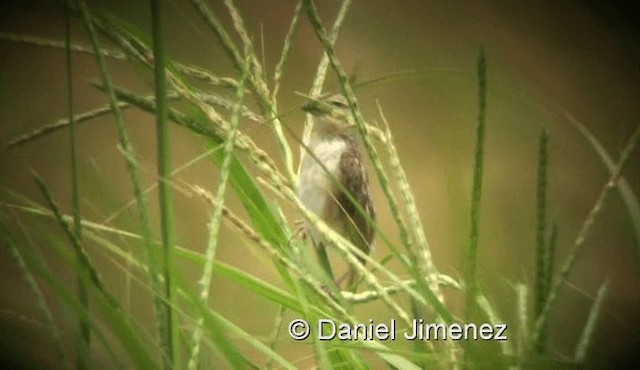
353, 176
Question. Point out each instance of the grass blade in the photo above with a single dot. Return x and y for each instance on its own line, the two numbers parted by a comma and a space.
41, 302
590, 326
171, 336
160, 306
471, 255
84, 349
541, 209
627, 194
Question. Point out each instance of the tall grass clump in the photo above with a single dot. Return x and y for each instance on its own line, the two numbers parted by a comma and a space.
189, 330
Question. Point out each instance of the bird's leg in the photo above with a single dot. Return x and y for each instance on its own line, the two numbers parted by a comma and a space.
299, 230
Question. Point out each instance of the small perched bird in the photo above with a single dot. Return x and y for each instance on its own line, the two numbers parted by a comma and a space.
333, 143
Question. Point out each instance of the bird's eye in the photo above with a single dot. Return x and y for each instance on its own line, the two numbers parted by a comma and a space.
339, 104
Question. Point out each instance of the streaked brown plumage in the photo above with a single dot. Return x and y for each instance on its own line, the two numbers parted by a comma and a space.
333, 143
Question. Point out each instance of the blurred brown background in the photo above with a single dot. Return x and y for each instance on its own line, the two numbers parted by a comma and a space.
543, 57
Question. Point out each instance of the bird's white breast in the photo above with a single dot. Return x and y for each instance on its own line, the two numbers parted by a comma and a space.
315, 182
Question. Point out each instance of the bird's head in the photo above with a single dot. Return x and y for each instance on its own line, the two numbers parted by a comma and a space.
333, 113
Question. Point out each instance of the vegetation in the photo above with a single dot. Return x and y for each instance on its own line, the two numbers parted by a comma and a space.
189, 332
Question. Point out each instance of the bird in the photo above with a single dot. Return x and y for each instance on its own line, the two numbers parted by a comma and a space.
334, 158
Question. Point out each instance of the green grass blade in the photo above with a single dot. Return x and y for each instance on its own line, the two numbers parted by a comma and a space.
590, 326
471, 255
171, 336
159, 306
84, 350
218, 327
106, 302
41, 302
541, 216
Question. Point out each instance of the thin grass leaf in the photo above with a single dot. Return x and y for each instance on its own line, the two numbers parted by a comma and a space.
567, 266
542, 258
81, 254
217, 325
275, 333
84, 349
41, 302
159, 307
590, 326
106, 302
69, 299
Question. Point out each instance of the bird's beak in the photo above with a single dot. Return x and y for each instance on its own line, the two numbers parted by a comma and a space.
316, 107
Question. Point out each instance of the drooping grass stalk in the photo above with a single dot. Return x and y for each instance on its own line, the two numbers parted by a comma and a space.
159, 305
84, 349
471, 256
589, 328
194, 72
627, 194
171, 339
41, 302
565, 270
59, 125
542, 258
75, 242
214, 219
